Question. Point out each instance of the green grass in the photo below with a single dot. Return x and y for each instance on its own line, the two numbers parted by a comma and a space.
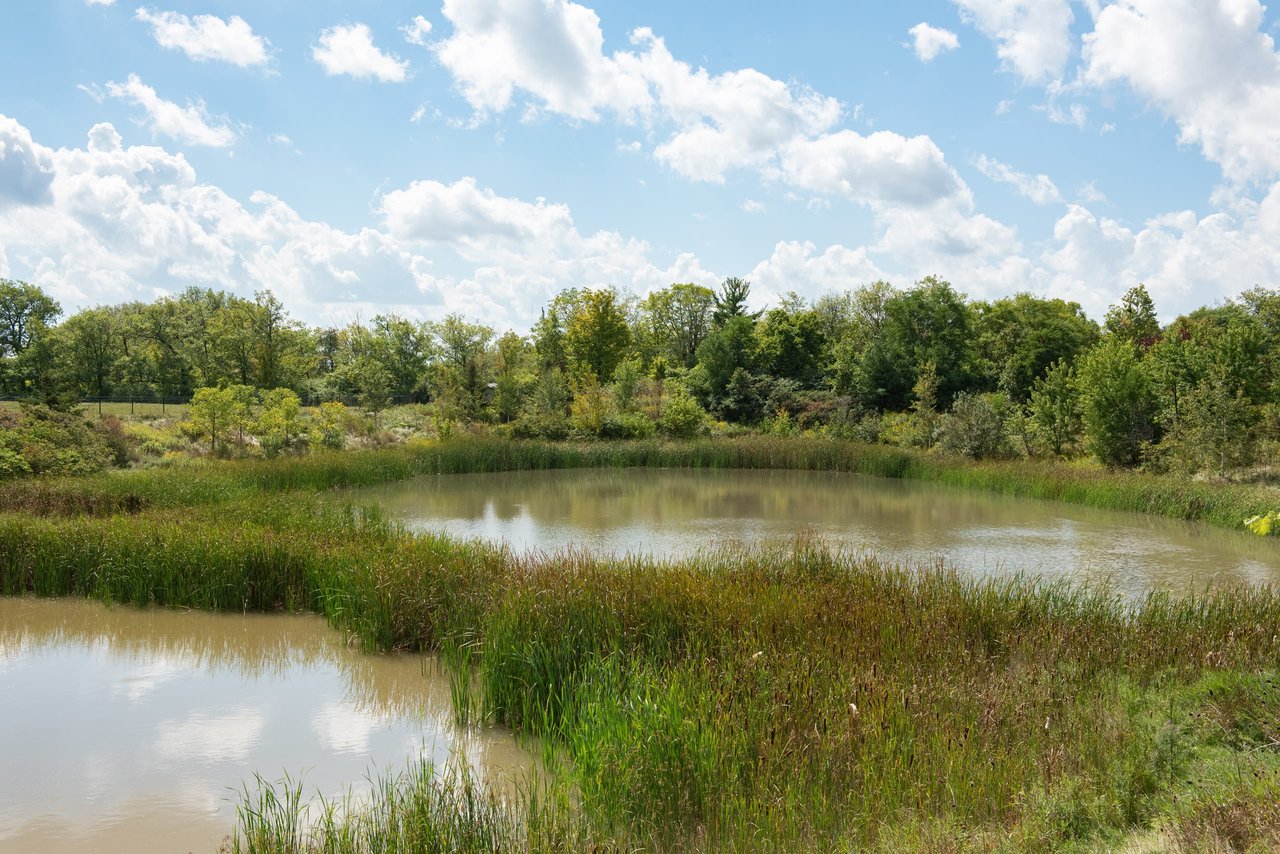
769, 699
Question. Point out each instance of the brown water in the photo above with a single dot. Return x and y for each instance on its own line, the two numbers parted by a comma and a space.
674, 512
134, 730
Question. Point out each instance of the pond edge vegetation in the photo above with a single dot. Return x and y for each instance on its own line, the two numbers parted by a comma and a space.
769, 699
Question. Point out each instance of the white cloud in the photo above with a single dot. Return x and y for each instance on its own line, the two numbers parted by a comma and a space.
1186, 260
1208, 65
121, 223
1004, 106
881, 169
110, 223
753, 206
465, 214
26, 168
551, 49
727, 121
1038, 188
928, 42
797, 265
350, 50
1090, 193
416, 31
1033, 37
99, 2
190, 124
206, 37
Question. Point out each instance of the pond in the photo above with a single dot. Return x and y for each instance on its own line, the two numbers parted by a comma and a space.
668, 513
134, 730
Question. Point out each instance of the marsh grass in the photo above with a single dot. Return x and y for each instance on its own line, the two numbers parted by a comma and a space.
202, 482
790, 697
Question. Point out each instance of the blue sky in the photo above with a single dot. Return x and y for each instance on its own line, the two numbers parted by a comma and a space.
479, 155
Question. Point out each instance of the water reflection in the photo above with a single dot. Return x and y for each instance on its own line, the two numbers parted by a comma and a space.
669, 513
130, 730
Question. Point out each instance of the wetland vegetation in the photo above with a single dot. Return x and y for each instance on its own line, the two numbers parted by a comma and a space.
791, 697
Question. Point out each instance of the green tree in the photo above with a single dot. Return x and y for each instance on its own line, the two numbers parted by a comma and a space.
279, 422
682, 417
404, 348
1019, 337
792, 345
212, 412
1218, 425
1134, 319
462, 371
598, 336
924, 407
515, 372
548, 340
677, 319
1055, 407
93, 345
731, 301
1116, 402
26, 315
730, 348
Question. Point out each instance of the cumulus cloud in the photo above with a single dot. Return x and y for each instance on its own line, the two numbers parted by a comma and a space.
1032, 37
1209, 66
797, 265
416, 31
551, 49
1038, 188
207, 37
350, 50
109, 222
727, 121
547, 56
465, 214
928, 41
116, 223
190, 124
881, 169
26, 168
1185, 259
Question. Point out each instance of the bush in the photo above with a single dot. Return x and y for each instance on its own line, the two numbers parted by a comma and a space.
682, 417
554, 428
12, 464
974, 427
49, 441
628, 425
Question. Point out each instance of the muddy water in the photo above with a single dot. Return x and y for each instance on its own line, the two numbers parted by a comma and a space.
669, 513
133, 730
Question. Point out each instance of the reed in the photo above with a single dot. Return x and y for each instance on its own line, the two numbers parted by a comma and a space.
781, 698
207, 482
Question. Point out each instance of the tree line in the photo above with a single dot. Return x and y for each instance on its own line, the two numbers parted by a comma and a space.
920, 366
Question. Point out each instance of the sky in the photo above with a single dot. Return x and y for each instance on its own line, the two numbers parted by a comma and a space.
478, 156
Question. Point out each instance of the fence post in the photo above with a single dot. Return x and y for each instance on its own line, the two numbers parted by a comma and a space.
130, 404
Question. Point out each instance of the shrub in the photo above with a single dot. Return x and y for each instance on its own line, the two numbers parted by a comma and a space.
974, 427
682, 417
12, 464
628, 425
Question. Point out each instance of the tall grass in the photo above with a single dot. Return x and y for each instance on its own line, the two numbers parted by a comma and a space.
205, 482
786, 698
794, 698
